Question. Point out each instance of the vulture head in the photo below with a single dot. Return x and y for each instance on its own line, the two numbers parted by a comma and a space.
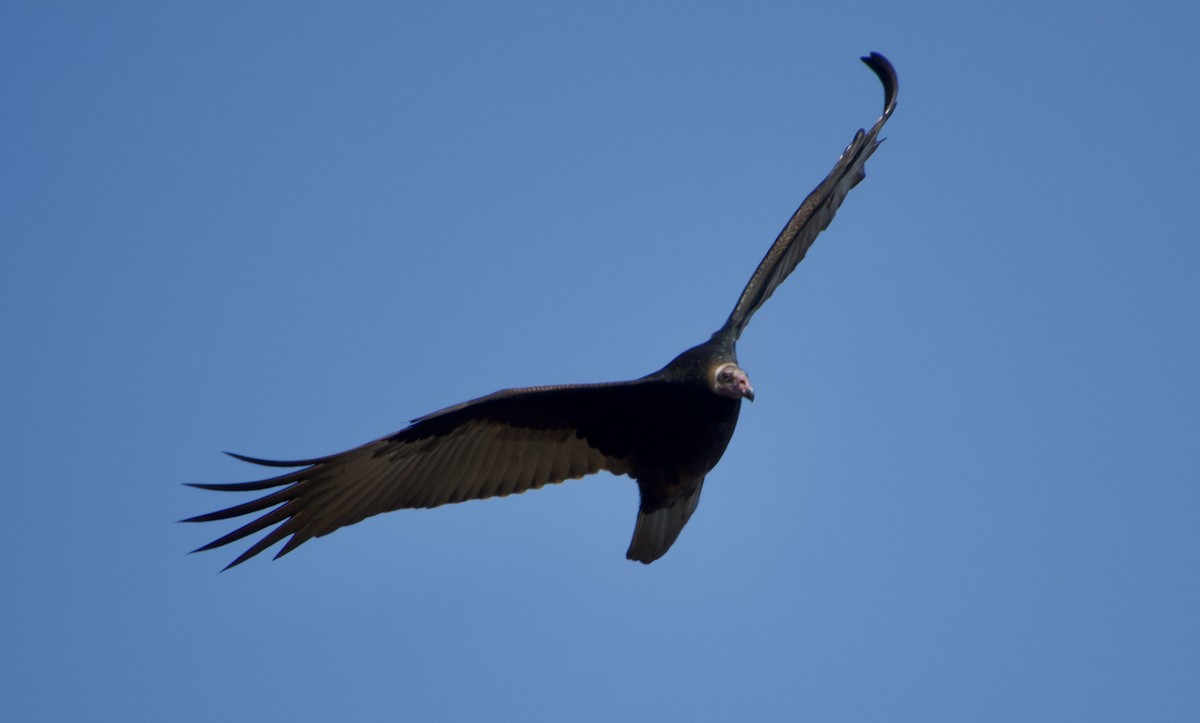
730, 380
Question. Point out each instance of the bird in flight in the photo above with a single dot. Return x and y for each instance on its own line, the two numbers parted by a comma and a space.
666, 430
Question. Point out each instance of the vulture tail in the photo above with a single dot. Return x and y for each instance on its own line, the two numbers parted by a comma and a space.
658, 526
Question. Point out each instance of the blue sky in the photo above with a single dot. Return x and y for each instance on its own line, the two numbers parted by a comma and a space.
969, 487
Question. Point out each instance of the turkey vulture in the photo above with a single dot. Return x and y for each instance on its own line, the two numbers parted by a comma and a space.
665, 430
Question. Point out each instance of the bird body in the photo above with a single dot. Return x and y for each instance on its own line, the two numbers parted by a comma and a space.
666, 430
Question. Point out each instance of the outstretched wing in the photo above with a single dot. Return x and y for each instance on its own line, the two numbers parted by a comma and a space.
501, 444
815, 213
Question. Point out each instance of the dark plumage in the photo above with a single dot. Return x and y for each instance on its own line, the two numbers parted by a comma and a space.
665, 430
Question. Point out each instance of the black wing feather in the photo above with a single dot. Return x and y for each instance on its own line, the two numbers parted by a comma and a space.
505, 443
814, 213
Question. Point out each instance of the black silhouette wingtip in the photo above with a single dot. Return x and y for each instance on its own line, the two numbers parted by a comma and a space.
887, 75
273, 462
